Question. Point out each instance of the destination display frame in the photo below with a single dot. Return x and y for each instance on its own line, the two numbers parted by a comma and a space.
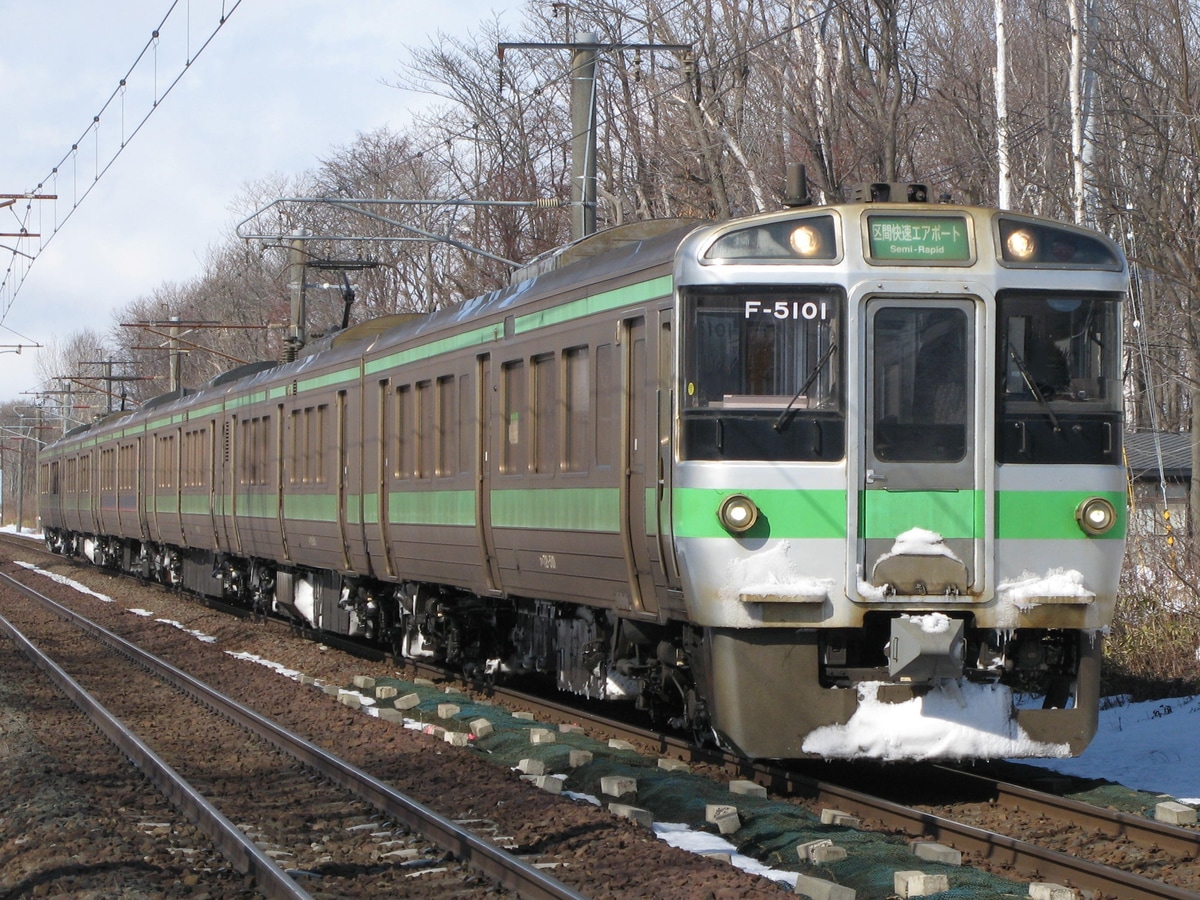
919, 239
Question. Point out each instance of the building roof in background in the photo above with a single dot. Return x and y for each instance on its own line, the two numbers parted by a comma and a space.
1142, 453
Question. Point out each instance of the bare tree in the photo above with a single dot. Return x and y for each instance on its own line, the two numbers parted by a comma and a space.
1148, 176
71, 373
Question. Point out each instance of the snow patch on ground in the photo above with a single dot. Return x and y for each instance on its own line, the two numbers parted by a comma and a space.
1149, 746
955, 720
705, 844
83, 589
198, 635
283, 670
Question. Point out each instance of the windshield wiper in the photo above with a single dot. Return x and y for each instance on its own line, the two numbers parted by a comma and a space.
1037, 394
812, 376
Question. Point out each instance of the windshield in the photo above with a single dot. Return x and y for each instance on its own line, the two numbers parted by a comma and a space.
755, 349
1059, 349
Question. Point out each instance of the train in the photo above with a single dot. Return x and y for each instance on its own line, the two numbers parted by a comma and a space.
838, 481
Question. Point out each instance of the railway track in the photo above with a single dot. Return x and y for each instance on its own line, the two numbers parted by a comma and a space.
1169, 856
1170, 846
274, 764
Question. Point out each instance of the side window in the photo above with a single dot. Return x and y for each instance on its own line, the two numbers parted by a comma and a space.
545, 400
245, 452
296, 446
607, 406
404, 435
466, 425
515, 413
108, 480
166, 461
305, 449
447, 426
426, 426
577, 415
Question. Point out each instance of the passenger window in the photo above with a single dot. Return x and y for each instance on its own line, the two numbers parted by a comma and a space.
515, 411
607, 401
545, 398
404, 435
447, 432
466, 425
426, 424
577, 397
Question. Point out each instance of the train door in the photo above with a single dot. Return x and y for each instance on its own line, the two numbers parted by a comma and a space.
142, 480
485, 399
90, 486
212, 476
232, 475
275, 466
921, 475
666, 449
358, 478
633, 463
385, 443
342, 460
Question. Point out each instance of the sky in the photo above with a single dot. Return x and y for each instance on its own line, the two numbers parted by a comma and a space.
282, 84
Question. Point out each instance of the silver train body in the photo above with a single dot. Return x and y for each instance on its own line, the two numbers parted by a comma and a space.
837, 481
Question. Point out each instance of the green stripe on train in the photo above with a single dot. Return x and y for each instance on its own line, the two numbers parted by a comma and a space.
474, 338
1020, 515
952, 514
787, 513
1050, 515
195, 505
426, 508
603, 302
558, 509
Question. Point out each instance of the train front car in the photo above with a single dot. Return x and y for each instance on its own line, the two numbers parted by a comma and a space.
898, 498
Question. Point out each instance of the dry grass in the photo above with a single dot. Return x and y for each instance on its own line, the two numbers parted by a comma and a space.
1152, 650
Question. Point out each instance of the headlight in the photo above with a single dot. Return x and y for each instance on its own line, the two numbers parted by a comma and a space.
1021, 245
738, 513
1096, 515
806, 241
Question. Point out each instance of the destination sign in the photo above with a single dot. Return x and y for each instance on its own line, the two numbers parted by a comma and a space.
919, 239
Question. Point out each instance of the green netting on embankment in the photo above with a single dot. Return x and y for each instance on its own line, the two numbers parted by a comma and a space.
771, 829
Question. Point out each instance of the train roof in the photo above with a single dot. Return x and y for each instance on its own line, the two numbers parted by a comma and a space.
607, 255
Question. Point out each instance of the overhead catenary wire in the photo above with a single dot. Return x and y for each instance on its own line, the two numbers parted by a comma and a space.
17, 271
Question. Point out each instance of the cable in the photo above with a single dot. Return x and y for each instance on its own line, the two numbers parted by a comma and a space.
7, 285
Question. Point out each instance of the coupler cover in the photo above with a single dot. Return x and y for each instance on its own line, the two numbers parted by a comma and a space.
923, 648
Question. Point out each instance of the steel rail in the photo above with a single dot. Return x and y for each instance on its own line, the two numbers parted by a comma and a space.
1036, 862
239, 849
508, 870
1039, 862
1115, 824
